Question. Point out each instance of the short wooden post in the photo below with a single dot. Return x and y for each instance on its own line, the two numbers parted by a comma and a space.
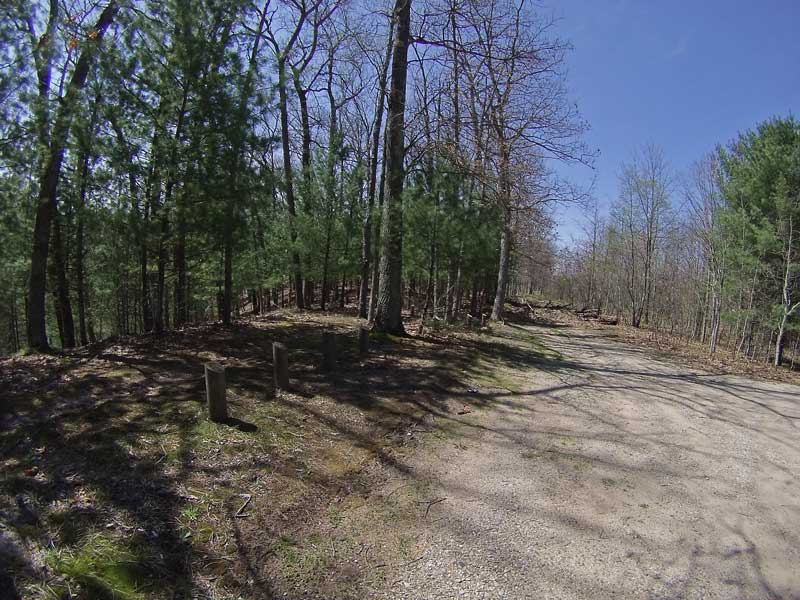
328, 351
363, 340
280, 366
483, 320
215, 392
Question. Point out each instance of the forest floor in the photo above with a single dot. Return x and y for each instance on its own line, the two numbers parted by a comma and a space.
114, 484
523, 461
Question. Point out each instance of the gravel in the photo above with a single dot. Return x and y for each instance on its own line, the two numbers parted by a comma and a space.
614, 475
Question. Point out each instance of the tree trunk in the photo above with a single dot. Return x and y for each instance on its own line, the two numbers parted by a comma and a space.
503, 268
449, 294
158, 313
715, 320
428, 292
388, 313
779, 342
14, 326
48, 186
179, 262
147, 311
62, 286
288, 182
373, 297
325, 261
80, 251
366, 244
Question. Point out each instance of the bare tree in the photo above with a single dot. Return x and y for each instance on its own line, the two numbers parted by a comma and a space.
704, 203
372, 182
293, 54
641, 213
512, 58
388, 312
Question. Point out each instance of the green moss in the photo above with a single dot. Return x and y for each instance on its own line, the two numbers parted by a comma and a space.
381, 337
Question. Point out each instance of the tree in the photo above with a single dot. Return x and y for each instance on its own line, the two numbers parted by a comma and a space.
515, 62
52, 163
762, 192
388, 313
641, 213
375, 148
200, 178
705, 204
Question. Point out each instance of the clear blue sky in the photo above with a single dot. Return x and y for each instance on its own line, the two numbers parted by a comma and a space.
683, 75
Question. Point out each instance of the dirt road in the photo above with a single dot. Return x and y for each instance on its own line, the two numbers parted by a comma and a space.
615, 474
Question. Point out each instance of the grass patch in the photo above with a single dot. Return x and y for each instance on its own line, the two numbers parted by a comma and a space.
533, 343
190, 512
506, 353
105, 567
301, 562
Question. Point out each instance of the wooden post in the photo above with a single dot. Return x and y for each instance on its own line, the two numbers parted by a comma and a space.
280, 366
328, 351
215, 392
363, 340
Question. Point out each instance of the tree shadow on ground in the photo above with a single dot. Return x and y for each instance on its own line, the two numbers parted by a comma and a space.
108, 445
111, 444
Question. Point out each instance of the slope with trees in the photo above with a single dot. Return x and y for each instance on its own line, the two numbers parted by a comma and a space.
197, 160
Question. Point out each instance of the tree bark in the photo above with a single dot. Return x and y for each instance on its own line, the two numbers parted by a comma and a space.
503, 268
366, 239
80, 250
283, 102
388, 313
62, 285
376, 271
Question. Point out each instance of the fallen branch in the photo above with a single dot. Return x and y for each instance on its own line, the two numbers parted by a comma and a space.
431, 503
411, 562
243, 506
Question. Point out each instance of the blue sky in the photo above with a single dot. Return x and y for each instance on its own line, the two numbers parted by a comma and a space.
683, 75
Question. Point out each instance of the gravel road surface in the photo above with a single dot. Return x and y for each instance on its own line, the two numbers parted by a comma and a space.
615, 474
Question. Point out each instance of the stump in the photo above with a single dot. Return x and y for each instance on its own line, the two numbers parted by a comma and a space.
363, 340
280, 366
328, 351
215, 392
